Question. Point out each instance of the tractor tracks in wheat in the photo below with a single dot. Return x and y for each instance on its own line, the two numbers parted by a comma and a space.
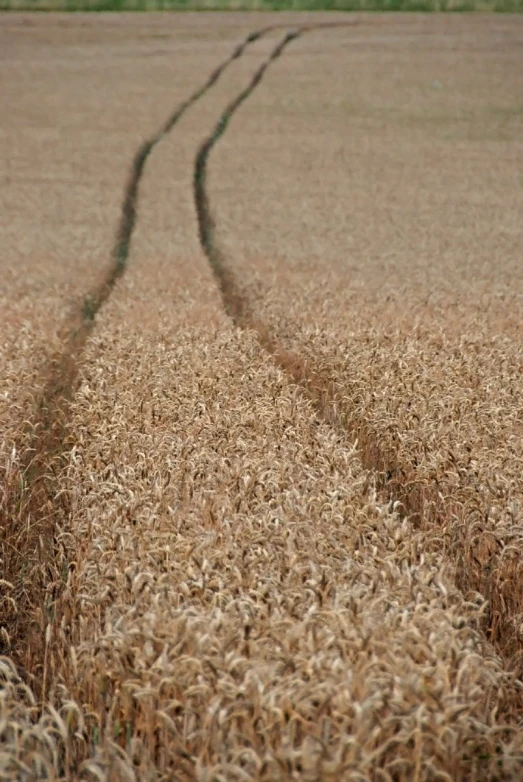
34, 509
396, 482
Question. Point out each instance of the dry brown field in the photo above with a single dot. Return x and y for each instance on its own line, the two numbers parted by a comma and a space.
262, 494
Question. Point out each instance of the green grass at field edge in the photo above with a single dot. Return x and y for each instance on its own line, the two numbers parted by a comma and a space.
455, 6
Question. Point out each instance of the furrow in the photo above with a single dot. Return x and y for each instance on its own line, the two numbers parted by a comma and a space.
32, 503
396, 482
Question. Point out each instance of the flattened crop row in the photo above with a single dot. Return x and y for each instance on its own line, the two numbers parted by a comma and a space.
423, 503
32, 491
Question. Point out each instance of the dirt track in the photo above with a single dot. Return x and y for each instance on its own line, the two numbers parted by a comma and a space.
198, 502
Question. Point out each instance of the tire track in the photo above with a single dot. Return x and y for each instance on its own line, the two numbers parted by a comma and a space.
395, 482
33, 510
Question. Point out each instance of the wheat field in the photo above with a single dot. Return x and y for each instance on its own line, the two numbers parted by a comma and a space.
261, 398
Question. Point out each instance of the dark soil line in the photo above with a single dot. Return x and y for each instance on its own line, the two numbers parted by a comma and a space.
32, 508
422, 503
205, 221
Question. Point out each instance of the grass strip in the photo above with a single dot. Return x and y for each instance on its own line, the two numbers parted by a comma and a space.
425, 6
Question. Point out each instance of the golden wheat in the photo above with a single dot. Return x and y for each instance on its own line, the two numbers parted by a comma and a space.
403, 289
235, 593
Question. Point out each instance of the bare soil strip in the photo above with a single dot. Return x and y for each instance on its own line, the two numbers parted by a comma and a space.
36, 564
424, 505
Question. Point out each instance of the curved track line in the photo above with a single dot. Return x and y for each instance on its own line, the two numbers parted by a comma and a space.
32, 504
205, 222
395, 482
32, 509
